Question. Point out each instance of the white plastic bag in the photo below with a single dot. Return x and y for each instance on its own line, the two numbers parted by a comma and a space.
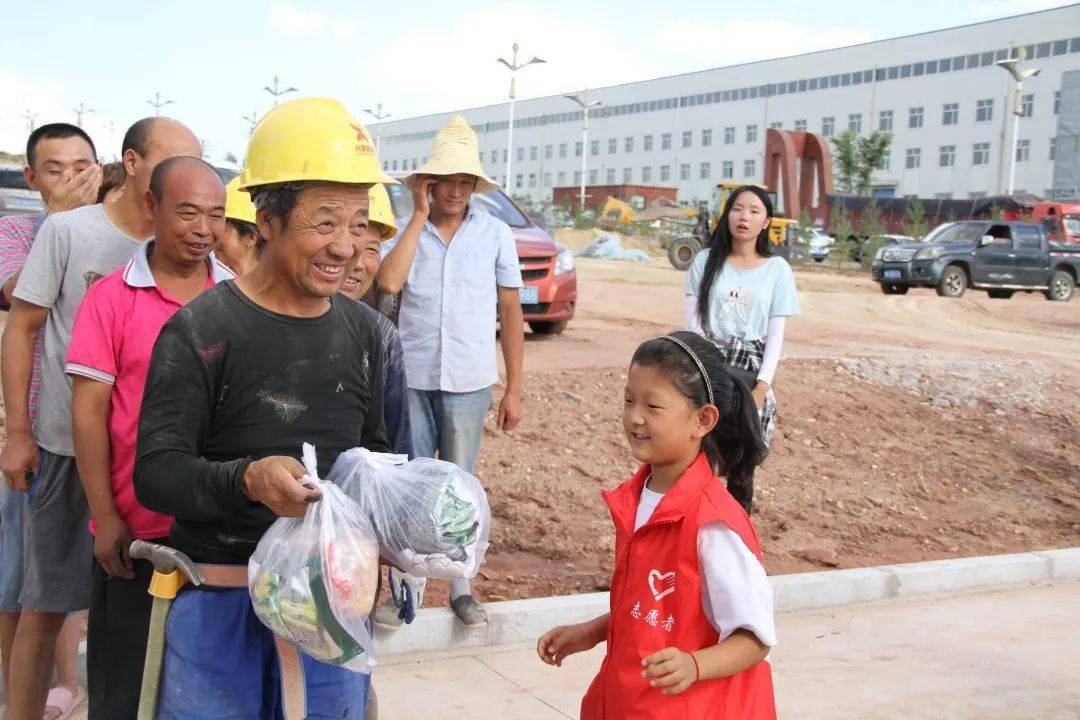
431, 517
312, 579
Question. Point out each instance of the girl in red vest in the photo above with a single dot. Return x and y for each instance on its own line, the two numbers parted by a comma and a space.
691, 617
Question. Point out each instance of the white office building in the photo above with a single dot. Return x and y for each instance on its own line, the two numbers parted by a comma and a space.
939, 93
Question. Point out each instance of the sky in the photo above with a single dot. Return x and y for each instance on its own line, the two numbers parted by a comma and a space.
213, 59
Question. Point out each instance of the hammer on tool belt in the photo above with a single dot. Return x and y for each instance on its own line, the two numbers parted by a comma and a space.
172, 570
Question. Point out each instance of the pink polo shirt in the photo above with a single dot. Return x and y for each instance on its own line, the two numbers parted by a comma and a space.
113, 337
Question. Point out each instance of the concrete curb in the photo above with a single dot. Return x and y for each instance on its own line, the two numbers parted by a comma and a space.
515, 621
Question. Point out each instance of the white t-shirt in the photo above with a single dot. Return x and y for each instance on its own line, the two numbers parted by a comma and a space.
735, 592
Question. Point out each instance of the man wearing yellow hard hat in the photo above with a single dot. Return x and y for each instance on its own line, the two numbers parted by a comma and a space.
239, 379
240, 247
454, 264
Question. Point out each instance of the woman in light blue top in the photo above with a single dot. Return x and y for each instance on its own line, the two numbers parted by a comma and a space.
738, 296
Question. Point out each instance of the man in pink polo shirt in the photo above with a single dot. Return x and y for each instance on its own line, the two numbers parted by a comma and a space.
111, 343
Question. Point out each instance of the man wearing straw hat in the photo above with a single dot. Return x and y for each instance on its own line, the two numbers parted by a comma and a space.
453, 265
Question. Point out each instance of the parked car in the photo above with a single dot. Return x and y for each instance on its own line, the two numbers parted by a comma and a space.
999, 257
549, 296
820, 243
16, 197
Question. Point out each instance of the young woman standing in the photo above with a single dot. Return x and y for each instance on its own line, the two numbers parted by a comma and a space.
738, 296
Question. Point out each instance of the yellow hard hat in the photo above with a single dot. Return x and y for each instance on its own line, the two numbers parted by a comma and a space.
380, 212
311, 139
238, 205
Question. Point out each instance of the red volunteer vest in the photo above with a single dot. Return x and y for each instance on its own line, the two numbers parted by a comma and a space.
656, 603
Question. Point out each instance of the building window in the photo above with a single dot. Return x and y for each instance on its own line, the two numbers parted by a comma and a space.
943, 196
1023, 150
728, 169
751, 133
1053, 147
577, 178
828, 126
1027, 105
915, 118
776, 125
884, 121
610, 176
885, 160
518, 180
547, 152
647, 143
729, 136
749, 168
395, 164
947, 156
980, 154
521, 154
628, 144
912, 158
665, 141
1057, 101
547, 179
800, 126
594, 147
854, 122
612, 146
684, 171
627, 176
534, 152
665, 173
646, 174
950, 113
984, 110
577, 149
687, 138
706, 138
593, 177
414, 163
532, 180
562, 178
562, 150
706, 171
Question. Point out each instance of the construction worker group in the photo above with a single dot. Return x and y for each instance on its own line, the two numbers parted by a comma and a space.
167, 353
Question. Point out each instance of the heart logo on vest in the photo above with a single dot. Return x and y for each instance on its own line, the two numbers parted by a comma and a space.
661, 584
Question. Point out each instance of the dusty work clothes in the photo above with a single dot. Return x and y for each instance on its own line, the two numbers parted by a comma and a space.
657, 602
220, 662
395, 388
449, 303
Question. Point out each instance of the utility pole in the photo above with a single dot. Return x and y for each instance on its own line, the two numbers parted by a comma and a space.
80, 111
379, 116
513, 65
157, 103
277, 92
582, 100
252, 120
1017, 110
31, 117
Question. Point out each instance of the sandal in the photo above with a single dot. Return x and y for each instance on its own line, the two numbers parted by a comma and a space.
60, 703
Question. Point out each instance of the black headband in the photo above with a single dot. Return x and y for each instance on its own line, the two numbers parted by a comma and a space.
700, 366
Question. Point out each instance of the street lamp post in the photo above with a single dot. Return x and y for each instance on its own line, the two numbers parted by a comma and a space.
276, 91
252, 120
1017, 110
157, 103
379, 116
80, 111
31, 118
582, 100
513, 66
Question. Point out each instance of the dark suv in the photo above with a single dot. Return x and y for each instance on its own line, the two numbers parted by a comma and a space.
999, 257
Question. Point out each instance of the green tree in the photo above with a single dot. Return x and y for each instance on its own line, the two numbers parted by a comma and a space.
914, 221
806, 226
855, 159
843, 230
872, 225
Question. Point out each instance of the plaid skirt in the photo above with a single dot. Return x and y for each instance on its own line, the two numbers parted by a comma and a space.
747, 355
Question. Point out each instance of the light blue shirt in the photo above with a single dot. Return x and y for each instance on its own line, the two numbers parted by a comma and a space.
742, 301
448, 304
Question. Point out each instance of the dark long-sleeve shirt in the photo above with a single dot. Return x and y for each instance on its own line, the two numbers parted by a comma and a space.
231, 382
395, 387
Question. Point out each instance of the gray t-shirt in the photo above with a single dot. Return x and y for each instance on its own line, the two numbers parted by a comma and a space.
72, 250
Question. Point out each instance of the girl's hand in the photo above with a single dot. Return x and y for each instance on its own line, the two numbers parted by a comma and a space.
671, 669
557, 643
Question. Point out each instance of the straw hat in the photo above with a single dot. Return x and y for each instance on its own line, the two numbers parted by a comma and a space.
454, 151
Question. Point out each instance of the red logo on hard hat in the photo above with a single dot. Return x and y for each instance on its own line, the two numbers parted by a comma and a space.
363, 141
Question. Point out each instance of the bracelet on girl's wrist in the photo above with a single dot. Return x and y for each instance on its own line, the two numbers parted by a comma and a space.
697, 669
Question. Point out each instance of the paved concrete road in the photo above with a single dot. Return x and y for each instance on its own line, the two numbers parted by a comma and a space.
1000, 654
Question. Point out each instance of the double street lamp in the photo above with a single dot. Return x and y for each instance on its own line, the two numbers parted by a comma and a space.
1017, 110
513, 65
582, 101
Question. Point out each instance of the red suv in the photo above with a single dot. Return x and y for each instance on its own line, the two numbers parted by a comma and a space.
549, 296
